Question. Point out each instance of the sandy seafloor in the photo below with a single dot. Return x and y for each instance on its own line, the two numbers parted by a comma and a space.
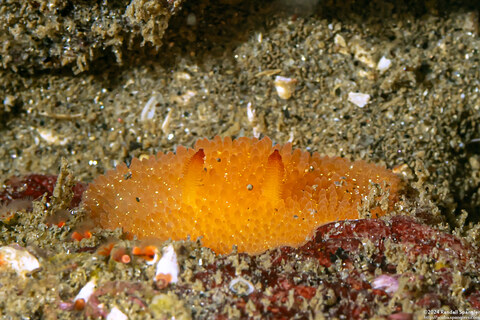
418, 62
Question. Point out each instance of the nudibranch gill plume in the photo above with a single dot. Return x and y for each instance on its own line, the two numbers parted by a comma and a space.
244, 192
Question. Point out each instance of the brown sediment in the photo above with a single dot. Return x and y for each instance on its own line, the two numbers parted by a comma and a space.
45, 35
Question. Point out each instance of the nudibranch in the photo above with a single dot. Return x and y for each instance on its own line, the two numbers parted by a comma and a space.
244, 192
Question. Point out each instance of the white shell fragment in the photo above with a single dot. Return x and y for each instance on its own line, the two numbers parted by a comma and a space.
168, 264
383, 64
51, 137
116, 314
341, 44
166, 121
148, 111
250, 113
359, 99
253, 120
386, 283
247, 286
155, 259
86, 291
340, 41
182, 76
285, 86
19, 260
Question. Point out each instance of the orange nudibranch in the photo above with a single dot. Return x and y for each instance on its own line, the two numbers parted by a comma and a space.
244, 192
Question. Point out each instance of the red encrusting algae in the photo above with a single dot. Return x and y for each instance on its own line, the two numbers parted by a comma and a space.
244, 192
33, 186
346, 289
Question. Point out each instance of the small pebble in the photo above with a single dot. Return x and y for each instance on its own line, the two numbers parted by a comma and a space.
285, 86
359, 99
116, 314
191, 19
340, 41
383, 64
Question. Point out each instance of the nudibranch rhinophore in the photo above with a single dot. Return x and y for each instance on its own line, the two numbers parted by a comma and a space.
244, 192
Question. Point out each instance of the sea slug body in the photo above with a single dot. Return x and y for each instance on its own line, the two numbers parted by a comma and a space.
244, 192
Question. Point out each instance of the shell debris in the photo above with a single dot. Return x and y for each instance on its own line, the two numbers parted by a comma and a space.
252, 119
148, 111
384, 64
359, 99
116, 314
251, 113
386, 283
241, 286
167, 267
166, 122
86, 292
51, 137
182, 76
19, 260
285, 86
149, 253
341, 44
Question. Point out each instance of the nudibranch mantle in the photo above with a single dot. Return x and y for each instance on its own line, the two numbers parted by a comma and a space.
244, 192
